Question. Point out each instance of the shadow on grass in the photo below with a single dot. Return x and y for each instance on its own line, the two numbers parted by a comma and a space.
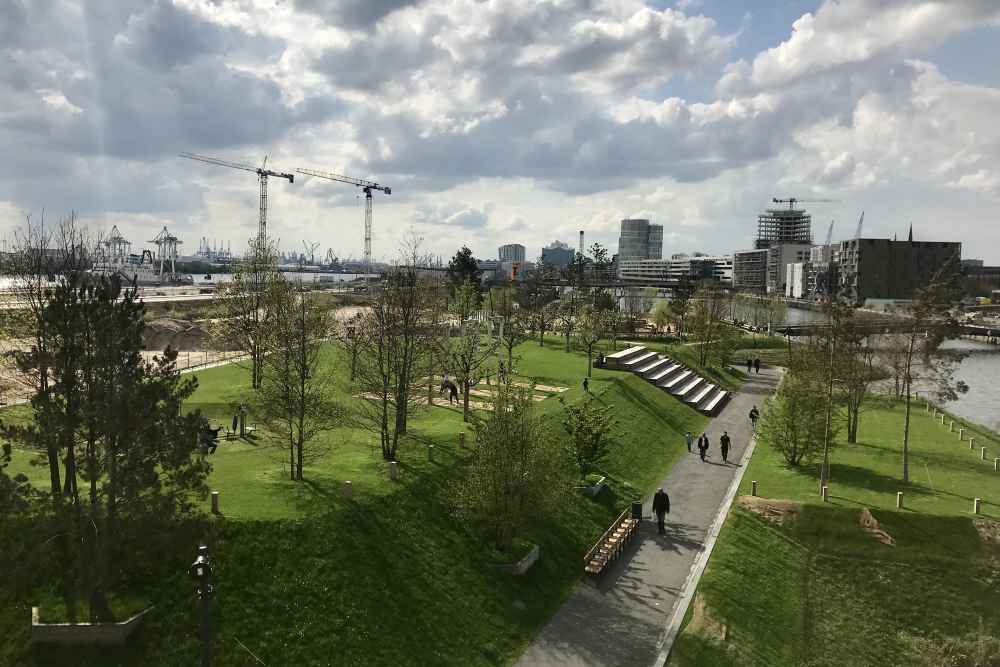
847, 475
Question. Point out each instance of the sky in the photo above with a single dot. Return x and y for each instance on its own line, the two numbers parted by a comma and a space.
503, 121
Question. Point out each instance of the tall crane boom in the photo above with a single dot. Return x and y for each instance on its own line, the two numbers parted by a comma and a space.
793, 200
262, 174
368, 187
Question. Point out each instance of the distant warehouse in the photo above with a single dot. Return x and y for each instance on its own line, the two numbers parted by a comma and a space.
887, 270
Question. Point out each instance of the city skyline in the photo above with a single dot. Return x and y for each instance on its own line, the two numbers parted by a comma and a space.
520, 124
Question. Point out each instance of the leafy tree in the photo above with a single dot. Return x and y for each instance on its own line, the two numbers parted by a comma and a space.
794, 422
465, 300
294, 398
707, 325
466, 356
933, 319
463, 268
516, 471
680, 302
592, 327
514, 322
661, 314
589, 427
566, 319
130, 450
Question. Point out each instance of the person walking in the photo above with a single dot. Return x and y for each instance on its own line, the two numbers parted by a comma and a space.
586, 385
702, 446
724, 443
756, 365
754, 416
661, 507
749, 365
689, 439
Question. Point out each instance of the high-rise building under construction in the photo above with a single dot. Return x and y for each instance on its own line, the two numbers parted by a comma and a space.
778, 226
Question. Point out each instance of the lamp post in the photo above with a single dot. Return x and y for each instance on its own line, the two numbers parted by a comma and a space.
201, 572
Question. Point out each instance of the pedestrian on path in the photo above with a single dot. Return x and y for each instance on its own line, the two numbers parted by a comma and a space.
702, 446
754, 416
724, 443
689, 439
586, 385
661, 507
749, 365
756, 365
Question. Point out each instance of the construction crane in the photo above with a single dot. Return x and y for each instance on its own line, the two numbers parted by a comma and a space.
368, 187
829, 234
310, 251
861, 222
792, 201
262, 174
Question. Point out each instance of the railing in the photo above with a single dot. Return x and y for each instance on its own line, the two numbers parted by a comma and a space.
609, 531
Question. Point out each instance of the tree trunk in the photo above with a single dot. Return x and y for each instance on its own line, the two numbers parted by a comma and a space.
590, 360
567, 340
907, 381
465, 400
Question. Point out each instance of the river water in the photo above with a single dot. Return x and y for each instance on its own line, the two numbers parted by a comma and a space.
980, 369
306, 277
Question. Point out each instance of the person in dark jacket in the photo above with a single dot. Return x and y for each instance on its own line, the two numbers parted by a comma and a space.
724, 443
754, 416
661, 507
749, 365
702, 446
756, 365
689, 439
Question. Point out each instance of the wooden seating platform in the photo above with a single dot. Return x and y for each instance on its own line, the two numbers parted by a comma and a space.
611, 545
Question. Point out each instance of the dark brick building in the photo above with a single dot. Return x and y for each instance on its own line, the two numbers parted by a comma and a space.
888, 269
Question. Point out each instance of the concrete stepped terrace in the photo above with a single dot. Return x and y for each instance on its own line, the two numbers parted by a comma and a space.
675, 379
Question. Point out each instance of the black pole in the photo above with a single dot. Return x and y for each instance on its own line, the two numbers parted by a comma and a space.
206, 627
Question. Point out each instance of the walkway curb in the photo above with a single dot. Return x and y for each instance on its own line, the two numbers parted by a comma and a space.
666, 642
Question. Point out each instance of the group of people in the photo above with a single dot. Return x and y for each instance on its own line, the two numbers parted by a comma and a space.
725, 443
753, 365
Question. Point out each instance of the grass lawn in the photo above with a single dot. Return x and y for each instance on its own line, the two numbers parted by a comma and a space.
820, 590
945, 475
389, 577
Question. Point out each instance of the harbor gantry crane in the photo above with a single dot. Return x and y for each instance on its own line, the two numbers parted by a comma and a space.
262, 174
793, 200
368, 187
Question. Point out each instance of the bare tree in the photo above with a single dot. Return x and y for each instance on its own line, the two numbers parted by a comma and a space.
243, 303
566, 319
393, 339
593, 325
466, 356
707, 322
295, 394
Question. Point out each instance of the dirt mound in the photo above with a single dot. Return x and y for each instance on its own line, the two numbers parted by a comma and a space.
178, 334
871, 526
989, 531
774, 511
703, 624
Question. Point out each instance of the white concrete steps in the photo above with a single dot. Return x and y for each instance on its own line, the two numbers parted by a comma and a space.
714, 402
700, 395
640, 360
664, 373
687, 388
657, 365
675, 381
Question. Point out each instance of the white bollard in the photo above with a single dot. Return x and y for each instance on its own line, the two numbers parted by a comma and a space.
951, 426
348, 489
826, 494
996, 464
982, 453
753, 488
393, 470
975, 505
430, 453
961, 434
972, 443
215, 502
899, 500
461, 439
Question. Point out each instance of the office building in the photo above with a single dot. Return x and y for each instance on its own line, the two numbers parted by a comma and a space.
797, 280
783, 225
558, 255
640, 240
779, 256
512, 252
669, 272
750, 270
889, 270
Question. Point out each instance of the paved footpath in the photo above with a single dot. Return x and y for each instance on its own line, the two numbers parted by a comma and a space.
624, 620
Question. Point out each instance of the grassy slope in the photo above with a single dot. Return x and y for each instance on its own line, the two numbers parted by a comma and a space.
307, 577
823, 592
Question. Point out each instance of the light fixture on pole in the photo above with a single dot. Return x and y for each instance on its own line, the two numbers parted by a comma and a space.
201, 572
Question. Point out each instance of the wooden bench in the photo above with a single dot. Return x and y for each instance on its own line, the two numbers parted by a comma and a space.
611, 545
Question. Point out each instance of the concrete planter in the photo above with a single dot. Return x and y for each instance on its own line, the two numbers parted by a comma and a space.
95, 634
521, 566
